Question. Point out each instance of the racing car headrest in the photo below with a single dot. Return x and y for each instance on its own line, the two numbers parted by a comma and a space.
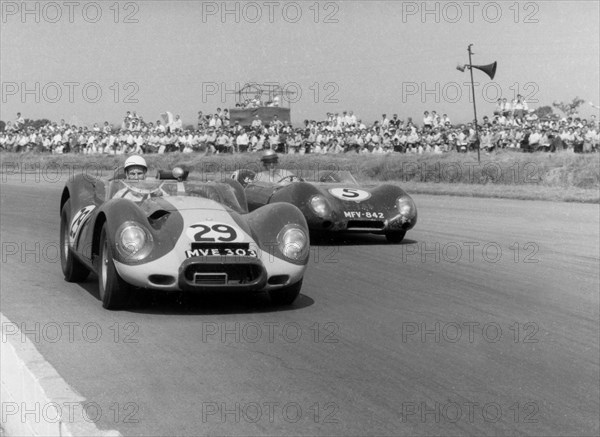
176, 173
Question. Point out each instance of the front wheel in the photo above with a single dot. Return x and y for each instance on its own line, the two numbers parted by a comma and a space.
113, 290
395, 237
286, 295
72, 268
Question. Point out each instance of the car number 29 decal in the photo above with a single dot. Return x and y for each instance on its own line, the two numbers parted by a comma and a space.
210, 232
352, 194
78, 221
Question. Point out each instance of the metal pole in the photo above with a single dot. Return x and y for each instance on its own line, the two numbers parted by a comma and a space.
474, 106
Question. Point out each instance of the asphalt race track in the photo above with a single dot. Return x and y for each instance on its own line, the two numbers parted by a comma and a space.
484, 321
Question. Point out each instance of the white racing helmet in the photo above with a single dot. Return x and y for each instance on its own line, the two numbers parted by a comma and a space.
135, 160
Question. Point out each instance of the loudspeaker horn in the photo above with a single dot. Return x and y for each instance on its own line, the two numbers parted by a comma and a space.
489, 69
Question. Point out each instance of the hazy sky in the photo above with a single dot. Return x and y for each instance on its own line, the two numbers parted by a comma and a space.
366, 56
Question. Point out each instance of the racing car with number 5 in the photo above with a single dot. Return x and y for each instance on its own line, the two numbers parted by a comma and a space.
167, 233
332, 201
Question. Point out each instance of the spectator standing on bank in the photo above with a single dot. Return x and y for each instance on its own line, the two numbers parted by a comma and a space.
19, 122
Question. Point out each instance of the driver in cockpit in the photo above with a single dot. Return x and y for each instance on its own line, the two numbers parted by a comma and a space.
273, 174
135, 170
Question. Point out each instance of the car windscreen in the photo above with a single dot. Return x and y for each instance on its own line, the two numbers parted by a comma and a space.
221, 193
120, 187
332, 176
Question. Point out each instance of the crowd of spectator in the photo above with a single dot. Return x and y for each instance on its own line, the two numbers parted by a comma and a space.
511, 127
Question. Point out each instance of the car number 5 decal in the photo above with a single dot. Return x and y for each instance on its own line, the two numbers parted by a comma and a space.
352, 194
212, 232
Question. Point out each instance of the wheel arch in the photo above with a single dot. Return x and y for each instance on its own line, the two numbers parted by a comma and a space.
66, 195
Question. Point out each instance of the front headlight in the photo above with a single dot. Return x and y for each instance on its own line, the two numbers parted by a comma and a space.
293, 242
319, 205
407, 207
134, 242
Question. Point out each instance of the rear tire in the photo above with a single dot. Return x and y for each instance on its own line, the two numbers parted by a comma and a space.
72, 268
286, 295
114, 291
395, 237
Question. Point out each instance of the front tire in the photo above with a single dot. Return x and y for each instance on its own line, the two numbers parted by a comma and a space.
114, 291
72, 268
395, 237
286, 295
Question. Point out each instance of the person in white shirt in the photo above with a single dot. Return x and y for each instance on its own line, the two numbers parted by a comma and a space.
163, 141
19, 122
385, 122
23, 140
520, 107
177, 124
242, 141
160, 127
435, 118
139, 143
56, 140
257, 122
427, 119
277, 123
352, 119
47, 143
202, 139
534, 139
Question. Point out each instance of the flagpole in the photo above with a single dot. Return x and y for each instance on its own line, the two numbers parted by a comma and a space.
477, 142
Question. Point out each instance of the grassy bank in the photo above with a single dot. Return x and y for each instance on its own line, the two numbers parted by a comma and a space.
560, 176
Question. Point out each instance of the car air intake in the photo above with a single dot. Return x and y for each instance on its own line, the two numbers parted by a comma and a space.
210, 278
162, 279
278, 279
222, 274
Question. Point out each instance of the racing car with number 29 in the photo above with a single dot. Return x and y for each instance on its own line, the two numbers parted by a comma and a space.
167, 233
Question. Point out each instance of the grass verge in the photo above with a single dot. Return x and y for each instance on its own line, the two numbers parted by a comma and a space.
560, 176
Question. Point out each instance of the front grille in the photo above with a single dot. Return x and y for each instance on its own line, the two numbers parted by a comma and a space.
364, 224
222, 274
210, 278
